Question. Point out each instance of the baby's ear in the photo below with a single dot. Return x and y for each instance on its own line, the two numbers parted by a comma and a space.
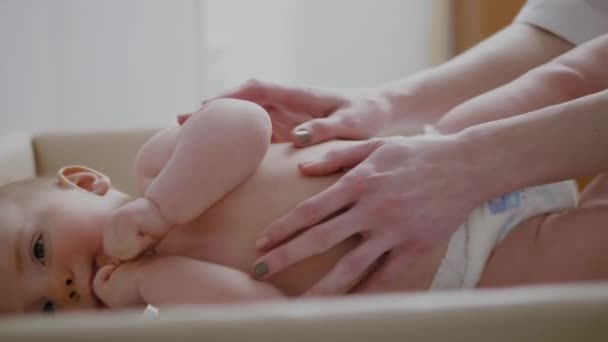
84, 178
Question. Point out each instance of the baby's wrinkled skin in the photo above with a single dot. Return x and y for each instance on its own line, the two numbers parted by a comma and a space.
202, 204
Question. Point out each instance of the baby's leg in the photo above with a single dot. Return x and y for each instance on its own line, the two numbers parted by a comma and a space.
181, 172
560, 247
556, 248
216, 149
173, 280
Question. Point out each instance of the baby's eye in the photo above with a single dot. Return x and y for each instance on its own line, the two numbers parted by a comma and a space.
38, 250
48, 307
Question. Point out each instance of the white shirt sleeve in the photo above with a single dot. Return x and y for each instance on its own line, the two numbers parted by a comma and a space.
576, 21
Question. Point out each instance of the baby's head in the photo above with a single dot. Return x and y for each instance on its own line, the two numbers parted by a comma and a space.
51, 240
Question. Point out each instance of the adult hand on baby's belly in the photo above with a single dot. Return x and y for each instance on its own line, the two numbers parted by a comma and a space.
402, 195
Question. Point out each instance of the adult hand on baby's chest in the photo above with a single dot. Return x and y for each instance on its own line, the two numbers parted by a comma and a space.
116, 285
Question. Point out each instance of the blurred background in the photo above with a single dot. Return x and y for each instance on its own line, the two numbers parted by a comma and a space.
105, 64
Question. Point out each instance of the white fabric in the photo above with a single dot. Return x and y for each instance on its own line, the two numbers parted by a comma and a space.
576, 21
470, 246
150, 311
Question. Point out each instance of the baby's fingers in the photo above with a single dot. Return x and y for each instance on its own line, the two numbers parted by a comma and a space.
101, 282
134, 228
125, 242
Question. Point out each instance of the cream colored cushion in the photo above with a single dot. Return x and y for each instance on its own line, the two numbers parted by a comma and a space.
16, 158
556, 314
111, 152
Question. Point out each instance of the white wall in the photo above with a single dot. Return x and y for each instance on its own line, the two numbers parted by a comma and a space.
333, 43
358, 43
106, 63
113, 63
249, 38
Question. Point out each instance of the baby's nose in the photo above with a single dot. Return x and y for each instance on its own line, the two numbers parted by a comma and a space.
66, 291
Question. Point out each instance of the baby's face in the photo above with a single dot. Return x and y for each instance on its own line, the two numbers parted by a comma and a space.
50, 248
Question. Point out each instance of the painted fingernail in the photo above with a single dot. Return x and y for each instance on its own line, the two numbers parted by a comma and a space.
261, 269
303, 136
262, 242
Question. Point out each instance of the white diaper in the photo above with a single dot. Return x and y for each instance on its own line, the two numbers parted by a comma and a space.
470, 246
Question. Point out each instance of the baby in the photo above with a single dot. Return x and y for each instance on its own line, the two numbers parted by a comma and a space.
208, 188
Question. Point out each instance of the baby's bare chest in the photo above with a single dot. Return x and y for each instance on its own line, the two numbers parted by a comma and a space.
220, 244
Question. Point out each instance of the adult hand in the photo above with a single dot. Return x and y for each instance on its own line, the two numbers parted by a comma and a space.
409, 193
307, 116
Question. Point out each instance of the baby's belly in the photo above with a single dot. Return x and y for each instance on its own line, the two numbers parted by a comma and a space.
226, 233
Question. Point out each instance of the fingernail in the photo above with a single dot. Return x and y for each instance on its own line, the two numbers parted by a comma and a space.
261, 269
306, 164
303, 136
262, 242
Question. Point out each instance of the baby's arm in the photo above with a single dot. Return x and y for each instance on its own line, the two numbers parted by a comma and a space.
175, 280
217, 148
579, 72
178, 280
183, 171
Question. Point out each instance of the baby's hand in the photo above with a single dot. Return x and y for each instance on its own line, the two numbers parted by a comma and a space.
116, 285
134, 228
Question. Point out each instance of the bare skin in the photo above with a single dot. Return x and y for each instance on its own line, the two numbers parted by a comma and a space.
225, 233
539, 250
422, 176
568, 246
209, 259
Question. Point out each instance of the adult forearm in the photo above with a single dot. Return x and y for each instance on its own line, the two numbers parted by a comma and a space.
577, 73
555, 143
426, 96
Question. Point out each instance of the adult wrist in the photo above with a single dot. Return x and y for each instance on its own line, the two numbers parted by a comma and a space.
492, 169
404, 103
